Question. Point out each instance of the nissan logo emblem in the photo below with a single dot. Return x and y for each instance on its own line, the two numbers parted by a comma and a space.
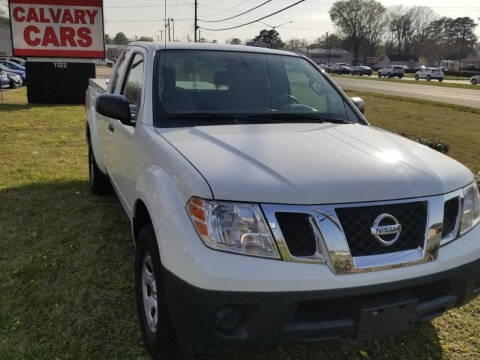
384, 226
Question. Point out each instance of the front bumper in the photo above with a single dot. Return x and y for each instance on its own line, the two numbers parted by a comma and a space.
268, 318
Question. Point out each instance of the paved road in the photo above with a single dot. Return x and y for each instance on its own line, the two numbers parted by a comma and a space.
465, 97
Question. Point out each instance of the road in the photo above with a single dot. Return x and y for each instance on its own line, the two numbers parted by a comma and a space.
457, 96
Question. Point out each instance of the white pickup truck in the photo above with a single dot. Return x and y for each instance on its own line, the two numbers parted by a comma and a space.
265, 208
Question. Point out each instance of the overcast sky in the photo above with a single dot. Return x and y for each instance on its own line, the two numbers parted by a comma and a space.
310, 19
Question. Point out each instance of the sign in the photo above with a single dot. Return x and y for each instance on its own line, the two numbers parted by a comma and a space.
372, 60
57, 28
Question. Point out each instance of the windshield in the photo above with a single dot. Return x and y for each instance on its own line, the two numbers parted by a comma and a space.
216, 86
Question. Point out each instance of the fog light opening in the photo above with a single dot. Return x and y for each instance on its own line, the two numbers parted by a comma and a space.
227, 318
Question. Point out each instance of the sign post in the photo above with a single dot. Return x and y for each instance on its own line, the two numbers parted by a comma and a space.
60, 38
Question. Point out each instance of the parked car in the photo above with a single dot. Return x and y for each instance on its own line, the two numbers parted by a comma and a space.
391, 71
17, 60
266, 209
12, 65
4, 80
340, 68
429, 73
475, 79
361, 70
14, 75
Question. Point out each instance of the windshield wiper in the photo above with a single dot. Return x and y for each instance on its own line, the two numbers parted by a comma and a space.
293, 117
202, 118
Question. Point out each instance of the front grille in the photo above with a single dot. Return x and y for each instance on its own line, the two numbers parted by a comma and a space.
358, 221
450, 217
298, 233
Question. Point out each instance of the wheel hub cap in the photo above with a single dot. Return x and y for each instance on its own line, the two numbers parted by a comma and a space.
149, 292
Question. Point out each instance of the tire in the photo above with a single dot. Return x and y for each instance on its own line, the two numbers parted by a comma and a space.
429, 78
99, 182
416, 77
440, 80
12, 85
400, 76
379, 75
157, 329
474, 81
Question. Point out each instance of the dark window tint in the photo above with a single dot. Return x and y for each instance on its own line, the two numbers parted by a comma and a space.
134, 83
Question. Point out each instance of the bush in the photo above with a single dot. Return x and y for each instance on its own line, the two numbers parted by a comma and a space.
435, 144
464, 73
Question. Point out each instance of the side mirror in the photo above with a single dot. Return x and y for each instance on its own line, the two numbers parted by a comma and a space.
115, 107
359, 103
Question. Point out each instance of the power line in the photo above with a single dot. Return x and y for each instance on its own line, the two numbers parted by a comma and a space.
229, 9
243, 13
257, 20
144, 6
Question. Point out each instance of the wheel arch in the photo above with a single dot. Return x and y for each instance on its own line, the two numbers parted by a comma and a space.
141, 217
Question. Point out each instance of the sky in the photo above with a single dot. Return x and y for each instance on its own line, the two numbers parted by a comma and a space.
308, 20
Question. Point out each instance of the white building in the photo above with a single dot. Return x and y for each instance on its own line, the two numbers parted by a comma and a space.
5, 37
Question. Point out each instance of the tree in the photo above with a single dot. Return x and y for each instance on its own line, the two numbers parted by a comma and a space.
450, 39
354, 19
234, 41
145, 38
271, 38
121, 39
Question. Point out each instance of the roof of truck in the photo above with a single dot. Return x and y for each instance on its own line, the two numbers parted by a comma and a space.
210, 46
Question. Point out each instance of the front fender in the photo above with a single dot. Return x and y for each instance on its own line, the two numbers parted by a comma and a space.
163, 194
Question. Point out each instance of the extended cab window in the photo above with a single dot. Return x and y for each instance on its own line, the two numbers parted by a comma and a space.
133, 85
220, 86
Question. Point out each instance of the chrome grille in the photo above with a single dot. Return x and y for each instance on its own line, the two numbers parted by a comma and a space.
357, 223
422, 221
451, 211
298, 233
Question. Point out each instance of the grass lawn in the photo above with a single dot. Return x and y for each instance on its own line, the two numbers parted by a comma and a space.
66, 257
420, 82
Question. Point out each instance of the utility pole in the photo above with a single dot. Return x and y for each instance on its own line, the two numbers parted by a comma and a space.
173, 29
195, 23
169, 38
326, 50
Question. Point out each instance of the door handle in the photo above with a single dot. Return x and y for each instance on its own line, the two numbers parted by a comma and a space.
111, 128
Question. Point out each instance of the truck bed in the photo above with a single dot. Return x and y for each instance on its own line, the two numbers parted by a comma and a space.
100, 85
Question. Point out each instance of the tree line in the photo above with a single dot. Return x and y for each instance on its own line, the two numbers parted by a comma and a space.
367, 28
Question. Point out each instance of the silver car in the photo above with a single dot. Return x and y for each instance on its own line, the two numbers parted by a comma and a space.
475, 79
391, 71
429, 73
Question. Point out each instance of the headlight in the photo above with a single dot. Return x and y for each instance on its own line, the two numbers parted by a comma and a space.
471, 208
232, 227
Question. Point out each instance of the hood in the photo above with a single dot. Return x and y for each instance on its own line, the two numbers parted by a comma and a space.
315, 163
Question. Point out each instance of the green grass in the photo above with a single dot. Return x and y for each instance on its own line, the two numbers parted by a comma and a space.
66, 274
428, 83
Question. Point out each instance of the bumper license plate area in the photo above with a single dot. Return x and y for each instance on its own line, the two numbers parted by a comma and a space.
386, 314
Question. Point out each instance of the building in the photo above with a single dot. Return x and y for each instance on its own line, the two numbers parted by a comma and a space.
327, 56
5, 37
113, 51
409, 60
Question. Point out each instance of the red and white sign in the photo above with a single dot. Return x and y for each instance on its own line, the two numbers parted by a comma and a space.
57, 28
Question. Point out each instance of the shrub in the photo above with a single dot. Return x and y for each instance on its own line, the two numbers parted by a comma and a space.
435, 144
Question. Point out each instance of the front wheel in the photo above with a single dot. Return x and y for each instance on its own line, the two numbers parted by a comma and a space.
157, 329
99, 182
440, 80
379, 75
417, 77
429, 78
13, 85
474, 81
